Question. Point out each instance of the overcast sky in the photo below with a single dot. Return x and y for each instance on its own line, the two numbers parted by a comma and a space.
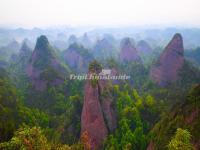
31, 13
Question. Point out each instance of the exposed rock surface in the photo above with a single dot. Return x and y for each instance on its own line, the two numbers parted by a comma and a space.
170, 62
77, 57
143, 47
92, 120
44, 67
106, 104
128, 51
98, 117
151, 146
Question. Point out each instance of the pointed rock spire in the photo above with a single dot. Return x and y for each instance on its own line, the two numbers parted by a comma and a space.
128, 51
44, 67
170, 62
97, 117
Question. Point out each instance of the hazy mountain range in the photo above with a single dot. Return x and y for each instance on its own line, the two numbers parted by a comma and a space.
59, 36
158, 107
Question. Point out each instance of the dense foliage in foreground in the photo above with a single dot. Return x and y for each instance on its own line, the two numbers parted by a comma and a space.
41, 109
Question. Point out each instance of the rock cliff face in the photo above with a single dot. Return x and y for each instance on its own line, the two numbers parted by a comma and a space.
170, 62
77, 57
151, 146
92, 120
106, 105
44, 67
143, 47
98, 118
128, 51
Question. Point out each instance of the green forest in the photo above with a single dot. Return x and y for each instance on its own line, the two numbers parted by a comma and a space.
156, 109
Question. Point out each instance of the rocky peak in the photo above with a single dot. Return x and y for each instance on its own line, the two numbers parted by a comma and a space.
176, 45
170, 62
72, 39
144, 47
29, 43
103, 43
128, 51
74, 46
24, 49
92, 120
98, 117
43, 53
127, 42
77, 57
86, 42
42, 43
104, 49
24, 55
43, 48
44, 67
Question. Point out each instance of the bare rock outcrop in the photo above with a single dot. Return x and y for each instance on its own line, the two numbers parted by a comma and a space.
170, 62
44, 68
128, 51
98, 117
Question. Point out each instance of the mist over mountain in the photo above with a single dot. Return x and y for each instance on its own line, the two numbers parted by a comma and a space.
141, 33
143, 47
99, 88
99, 75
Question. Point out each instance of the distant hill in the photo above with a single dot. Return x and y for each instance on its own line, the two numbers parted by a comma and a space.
169, 63
77, 57
44, 66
